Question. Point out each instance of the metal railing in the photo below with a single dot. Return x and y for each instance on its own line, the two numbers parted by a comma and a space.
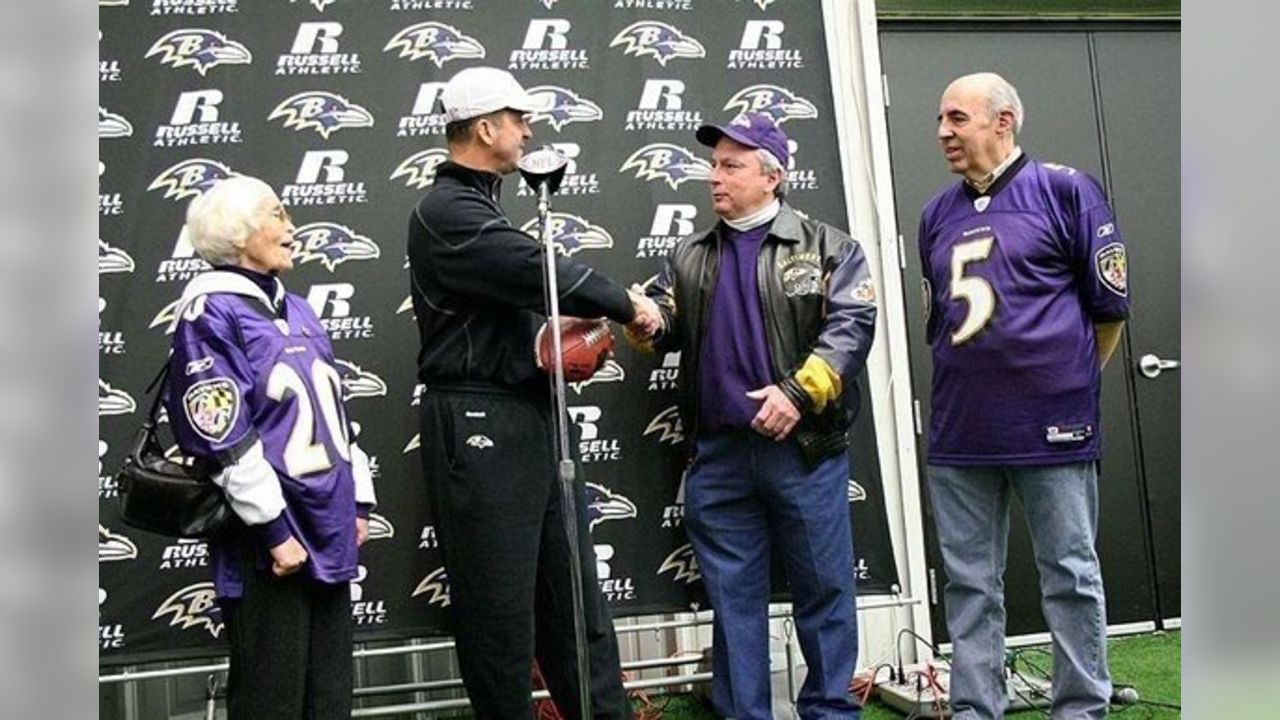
699, 618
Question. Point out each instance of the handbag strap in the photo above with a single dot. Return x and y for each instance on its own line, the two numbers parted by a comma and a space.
159, 383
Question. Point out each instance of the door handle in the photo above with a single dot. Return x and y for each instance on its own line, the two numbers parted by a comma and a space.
1151, 365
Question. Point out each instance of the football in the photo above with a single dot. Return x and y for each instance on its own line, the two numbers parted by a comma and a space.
585, 345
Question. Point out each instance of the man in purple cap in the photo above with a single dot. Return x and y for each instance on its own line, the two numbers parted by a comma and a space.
773, 314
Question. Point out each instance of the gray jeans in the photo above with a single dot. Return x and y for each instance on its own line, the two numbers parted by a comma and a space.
971, 509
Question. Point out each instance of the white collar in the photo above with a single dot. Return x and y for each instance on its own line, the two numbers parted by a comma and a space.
220, 281
990, 178
756, 219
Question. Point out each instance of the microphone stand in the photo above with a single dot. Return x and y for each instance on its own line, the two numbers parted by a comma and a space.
542, 171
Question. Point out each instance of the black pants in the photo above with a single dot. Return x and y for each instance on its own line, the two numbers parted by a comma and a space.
290, 649
495, 500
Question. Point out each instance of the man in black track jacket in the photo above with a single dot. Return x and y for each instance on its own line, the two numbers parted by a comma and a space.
486, 426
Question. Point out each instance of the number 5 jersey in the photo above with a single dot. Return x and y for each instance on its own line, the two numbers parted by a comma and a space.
1014, 280
252, 383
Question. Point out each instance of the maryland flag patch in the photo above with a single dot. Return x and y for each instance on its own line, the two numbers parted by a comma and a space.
212, 407
1113, 268
865, 291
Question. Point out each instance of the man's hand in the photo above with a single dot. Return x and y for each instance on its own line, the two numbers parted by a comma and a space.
287, 557
648, 321
362, 530
777, 416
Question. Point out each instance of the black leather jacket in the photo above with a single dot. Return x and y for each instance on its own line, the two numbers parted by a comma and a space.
818, 298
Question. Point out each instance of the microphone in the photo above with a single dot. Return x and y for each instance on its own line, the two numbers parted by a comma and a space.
1124, 695
546, 165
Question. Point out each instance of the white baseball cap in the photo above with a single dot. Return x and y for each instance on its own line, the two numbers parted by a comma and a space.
478, 91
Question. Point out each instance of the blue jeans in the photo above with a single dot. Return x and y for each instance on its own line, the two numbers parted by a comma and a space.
971, 510
744, 492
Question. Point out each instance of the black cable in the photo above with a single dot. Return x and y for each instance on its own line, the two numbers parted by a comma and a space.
897, 645
1163, 705
1035, 692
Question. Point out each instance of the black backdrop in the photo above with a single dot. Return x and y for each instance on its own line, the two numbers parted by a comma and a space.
332, 102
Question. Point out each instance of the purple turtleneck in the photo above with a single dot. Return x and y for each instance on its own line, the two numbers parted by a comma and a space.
735, 353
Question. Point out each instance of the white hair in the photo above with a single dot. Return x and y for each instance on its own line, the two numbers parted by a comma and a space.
769, 163
1001, 95
220, 221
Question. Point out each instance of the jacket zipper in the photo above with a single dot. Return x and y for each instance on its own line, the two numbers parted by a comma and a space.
772, 332
702, 338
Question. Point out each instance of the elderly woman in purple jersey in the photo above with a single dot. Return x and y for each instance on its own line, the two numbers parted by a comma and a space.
253, 386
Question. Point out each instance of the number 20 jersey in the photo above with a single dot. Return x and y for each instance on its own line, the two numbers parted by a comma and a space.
1013, 282
238, 374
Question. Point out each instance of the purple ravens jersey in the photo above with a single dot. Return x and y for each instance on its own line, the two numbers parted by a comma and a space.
1014, 281
241, 373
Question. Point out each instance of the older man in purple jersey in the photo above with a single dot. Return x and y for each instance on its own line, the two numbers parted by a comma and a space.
1026, 294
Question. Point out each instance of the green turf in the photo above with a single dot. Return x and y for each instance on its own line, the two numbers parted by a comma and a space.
1150, 663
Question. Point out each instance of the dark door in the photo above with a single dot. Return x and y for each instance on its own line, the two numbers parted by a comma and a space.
1139, 91
1054, 72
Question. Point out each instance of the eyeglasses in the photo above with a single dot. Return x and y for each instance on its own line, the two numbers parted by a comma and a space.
279, 213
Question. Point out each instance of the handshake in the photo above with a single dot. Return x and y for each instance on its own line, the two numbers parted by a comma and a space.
648, 321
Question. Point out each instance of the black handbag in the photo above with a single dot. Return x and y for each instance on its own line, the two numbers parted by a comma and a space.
175, 499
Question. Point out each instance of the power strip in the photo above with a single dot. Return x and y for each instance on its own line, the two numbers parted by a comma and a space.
918, 699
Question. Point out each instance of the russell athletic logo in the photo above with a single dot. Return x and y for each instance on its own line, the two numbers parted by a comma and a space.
108, 69
332, 305
670, 163
671, 222
110, 637
321, 111
436, 42
778, 103
658, 40
665, 5
761, 48
190, 178
427, 115
546, 47
110, 342
185, 554
572, 233
562, 106
419, 169
109, 203
322, 180
193, 7
418, 5
197, 120
315, 51
199, 49
661, 107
